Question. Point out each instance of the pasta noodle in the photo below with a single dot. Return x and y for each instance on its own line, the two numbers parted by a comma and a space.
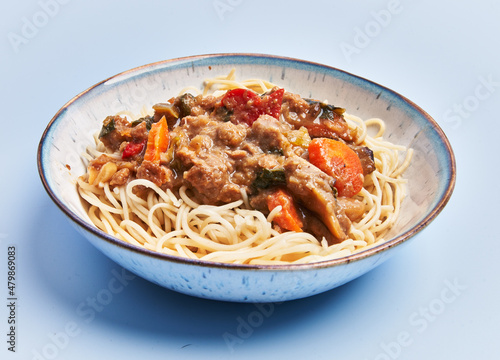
175, 224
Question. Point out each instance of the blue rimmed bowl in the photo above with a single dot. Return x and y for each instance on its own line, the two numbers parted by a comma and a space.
431, 174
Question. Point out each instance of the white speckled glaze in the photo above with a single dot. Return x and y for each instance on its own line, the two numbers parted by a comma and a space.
431, 174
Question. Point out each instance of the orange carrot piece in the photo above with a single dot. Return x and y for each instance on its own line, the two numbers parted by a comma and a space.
157, 141
339, 161
288, 217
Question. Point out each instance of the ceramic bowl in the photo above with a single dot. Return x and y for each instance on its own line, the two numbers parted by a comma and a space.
431, 174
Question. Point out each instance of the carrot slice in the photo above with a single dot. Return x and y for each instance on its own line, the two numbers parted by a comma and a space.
288, 217
157, 141
339, 161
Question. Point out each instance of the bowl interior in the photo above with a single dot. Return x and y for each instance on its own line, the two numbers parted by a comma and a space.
431, 174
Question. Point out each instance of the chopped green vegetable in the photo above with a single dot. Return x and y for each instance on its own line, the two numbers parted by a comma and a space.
224, 113
299, 137
276, 151
266, 178
166, 109
185, 103
108, 125
174, 145
327, 109
169, 156
148, 120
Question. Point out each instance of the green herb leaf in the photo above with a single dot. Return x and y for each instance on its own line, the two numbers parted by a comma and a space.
108, 125
185, 103
148, 120
327, 109
267, 178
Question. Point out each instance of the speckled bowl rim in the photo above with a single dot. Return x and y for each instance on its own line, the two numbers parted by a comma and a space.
446, 195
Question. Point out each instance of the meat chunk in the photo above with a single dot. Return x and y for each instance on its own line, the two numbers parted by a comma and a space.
197, 125
320, 119
207, 102
97, 163
154, 172
139, 132
259, 200
210, 177
352, 208
365, 155
230, 134
269, 133
120, 177
314, 189
295, 109
315, 226
115, 130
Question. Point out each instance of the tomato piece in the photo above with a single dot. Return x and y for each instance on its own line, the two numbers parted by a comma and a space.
133, 148
339, 161
246, 106
271, 103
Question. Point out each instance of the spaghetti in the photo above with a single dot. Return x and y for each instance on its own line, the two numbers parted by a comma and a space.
175, 221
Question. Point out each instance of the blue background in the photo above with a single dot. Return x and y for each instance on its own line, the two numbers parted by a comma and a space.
437, 299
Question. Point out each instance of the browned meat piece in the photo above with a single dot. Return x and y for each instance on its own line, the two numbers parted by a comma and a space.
349, 210
120, 177
99, 161
210, 177
230, 134
154, 172
207, 102
315, 226
313, 188
196, 125
365, 155
259, 200
353, 209
185, 157
319, 119
182, 106
139, 133
262, 161
115, 130
328, 128
268, 133
296, 109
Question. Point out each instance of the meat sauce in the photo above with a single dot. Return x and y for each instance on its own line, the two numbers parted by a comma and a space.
240, 141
